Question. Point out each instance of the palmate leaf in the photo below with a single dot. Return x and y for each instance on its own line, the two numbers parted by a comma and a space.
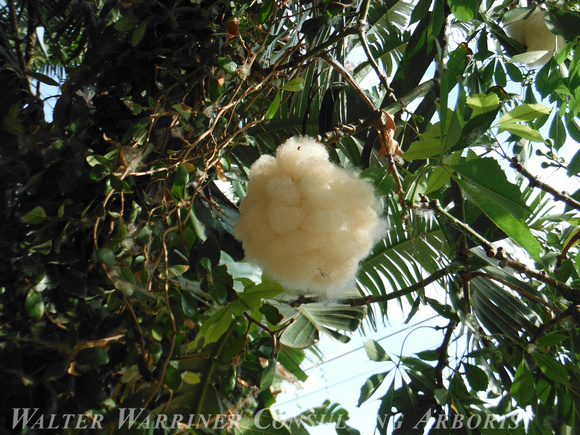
500, 311
311, 319
404, 257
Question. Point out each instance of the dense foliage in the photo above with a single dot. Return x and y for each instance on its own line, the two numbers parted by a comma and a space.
122, 286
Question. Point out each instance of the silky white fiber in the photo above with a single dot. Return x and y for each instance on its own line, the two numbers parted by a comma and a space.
535, 35
307, 222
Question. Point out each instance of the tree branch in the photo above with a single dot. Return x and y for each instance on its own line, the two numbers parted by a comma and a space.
16, 34
569, 293
442, 350
346, 130
436, 207
534, 182
349, 78
371, 299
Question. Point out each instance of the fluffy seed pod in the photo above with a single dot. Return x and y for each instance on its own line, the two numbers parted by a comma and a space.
307, 222
534, 34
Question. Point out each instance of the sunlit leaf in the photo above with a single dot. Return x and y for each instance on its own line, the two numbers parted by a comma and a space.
522, 131
375, 351
274, 105
523, 387
551, 367
525, 112
294, 85
370, 386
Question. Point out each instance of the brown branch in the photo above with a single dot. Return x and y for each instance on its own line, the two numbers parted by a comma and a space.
16, 33
570, 311
371, 299
349, 78
436, 207
534, 182
567, 292
564, 253
346, 130
174, 332
442, 361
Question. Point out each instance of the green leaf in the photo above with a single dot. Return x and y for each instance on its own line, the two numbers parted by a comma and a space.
265, 10
271, 313
523, 387
227, 65
441, 396
178, 190
513, 227
552, 368
126, 23
574, 165
92, 356
522, 131
550, 339
214, 327
138, 33
291, 360
191, 378
437, 179
563, 22
423, 149
464, 10
370, 386
42, 78
184, 110
251, 297
525, 112
34, 304
268, 375
106, 256
274, 105
476, 377
172, 378
482, 103
558, 132
489, 178
375, 351
548, 78
301, 334
315, 318
34, 216
294, 85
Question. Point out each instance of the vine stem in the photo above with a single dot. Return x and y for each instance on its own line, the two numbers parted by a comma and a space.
161, 380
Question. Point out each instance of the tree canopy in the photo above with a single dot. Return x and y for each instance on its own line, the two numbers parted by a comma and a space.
127, 133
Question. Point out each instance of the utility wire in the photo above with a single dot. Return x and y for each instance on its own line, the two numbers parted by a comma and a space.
362, 347
327, 387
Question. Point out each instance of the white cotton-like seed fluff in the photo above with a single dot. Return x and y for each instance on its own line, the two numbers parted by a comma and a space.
534, 34
307, 222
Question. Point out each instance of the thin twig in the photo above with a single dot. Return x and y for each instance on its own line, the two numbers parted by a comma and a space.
434, 205
173, 339
346, 130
